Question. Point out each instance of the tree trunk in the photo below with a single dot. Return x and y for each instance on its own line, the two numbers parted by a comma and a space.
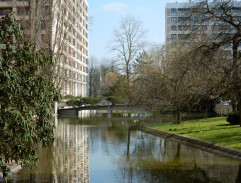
128, 143
239, 109
178, 115
238, 179
206, 112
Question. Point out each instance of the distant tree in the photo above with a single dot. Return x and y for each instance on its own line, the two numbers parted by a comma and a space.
169, 80
92, 69
26, 97
97, 73
108, 82
127, 42
118, 91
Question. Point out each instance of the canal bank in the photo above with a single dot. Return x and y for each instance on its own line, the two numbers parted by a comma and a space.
197, 143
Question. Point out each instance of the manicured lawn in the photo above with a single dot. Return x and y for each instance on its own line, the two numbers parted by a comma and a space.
215, 130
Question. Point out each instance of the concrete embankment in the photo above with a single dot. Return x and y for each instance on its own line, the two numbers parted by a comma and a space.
197, 143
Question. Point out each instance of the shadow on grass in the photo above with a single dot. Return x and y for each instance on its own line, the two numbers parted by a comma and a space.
226, 125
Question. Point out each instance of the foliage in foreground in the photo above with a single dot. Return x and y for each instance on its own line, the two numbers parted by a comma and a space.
26, 97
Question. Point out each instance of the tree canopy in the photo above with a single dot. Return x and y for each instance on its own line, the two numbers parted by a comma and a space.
26, 97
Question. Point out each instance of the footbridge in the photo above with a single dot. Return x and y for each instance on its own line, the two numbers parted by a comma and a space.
67, 110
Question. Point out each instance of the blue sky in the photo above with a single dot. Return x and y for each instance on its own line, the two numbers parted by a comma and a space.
108, 13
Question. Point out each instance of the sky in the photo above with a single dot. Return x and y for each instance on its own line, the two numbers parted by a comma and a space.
106, 15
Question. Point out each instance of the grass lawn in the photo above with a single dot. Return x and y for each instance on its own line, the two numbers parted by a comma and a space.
215, 130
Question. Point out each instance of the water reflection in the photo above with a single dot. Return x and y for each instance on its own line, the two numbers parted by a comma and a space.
96, 148
66, 161
160, 160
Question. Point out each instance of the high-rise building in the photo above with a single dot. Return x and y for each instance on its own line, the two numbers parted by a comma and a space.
173, 27
180, 23
61, 26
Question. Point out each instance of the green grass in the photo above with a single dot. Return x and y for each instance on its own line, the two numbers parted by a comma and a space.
216, 130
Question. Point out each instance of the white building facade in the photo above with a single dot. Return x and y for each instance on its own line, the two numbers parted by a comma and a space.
62, 27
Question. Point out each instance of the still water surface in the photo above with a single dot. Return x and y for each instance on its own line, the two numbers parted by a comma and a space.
103, 149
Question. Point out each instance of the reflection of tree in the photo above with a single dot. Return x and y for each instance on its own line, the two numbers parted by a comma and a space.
238, 179
148, 161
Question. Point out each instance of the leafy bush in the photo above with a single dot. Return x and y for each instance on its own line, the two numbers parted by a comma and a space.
74, 101
233, 118
69, 97
91, 100
78, 101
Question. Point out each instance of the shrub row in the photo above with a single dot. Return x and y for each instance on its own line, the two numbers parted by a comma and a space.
78, 101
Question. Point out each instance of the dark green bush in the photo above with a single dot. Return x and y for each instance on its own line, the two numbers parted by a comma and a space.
233, 118
73, 102
91, 100
115, 100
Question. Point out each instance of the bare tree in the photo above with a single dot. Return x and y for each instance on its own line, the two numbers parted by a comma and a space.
127, 42
222, 24
92, 71
98, 75
170, 80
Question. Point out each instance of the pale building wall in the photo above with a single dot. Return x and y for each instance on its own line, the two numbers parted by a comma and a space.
72, 65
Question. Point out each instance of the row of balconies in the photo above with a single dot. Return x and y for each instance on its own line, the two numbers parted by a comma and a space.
185, 19
210, 28
215, 10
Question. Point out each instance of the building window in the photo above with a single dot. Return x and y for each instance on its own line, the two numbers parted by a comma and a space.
173, 27
183, 10
173, 36
194, 27
179, 36
180, 19
5, 11
173, 19
180, 10
194, 19
236, 18
204, 27
173, 11
180, 27
203, 18
214, 19
236, 10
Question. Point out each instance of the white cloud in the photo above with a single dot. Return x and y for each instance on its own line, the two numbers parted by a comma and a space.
116, 7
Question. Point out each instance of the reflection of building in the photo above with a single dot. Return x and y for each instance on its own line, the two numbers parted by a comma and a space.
71, 154
62, 26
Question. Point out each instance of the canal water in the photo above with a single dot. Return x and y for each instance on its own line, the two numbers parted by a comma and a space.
104, 149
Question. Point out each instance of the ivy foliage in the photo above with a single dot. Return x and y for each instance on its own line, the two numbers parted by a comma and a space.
26, 97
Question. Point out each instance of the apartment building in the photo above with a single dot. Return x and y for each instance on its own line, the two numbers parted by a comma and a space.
179, 24
173, 24
62, 27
